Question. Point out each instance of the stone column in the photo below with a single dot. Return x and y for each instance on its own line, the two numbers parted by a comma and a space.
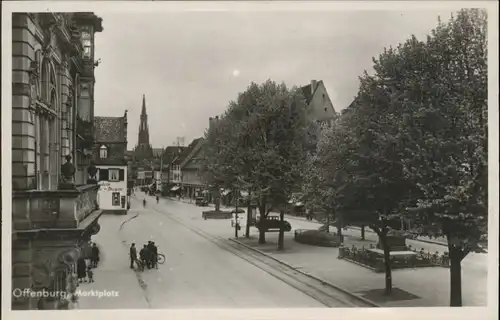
24, 77
66, 99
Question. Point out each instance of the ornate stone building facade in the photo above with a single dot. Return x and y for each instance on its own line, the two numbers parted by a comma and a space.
54, 211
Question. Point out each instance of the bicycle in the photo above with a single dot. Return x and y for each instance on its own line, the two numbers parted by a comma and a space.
160, 259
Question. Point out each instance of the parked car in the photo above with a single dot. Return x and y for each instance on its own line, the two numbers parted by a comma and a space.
200, 201
273, 222
242, 217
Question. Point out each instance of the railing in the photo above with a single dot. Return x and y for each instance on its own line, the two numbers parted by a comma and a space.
58, 209
375, 261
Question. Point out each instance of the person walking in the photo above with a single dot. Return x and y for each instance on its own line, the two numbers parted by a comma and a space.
133, 255
94, 259
144, 203
157, 199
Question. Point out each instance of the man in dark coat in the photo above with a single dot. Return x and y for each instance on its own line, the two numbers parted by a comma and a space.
94, 258
81, 270
154, 255
151, 250
144, 255
133, 255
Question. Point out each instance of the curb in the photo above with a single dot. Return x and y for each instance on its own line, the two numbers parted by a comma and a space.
128, 220
373, 304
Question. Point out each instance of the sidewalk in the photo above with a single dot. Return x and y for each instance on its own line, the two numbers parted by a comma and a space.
113, 272
422, 287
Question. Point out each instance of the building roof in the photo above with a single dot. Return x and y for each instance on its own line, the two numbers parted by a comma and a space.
170, 153
187, 151
110, 129
193, 147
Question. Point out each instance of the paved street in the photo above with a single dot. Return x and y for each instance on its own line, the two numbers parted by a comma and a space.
113, 272
197, 273
430, 285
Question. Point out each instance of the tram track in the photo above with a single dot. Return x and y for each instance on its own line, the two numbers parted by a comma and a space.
327, 294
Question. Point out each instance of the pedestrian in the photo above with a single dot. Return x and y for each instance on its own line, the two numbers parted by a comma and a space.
150, 247
133, 255
90, 274
157, 199
81, 268
143, 254
154, 255
144, 202
94, 256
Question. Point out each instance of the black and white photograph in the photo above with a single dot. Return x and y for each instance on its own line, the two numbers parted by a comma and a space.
253, 155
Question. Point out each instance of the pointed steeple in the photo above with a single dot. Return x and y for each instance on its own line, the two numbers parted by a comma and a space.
143, 112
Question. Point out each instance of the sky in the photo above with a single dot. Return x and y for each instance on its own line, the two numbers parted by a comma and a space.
190, 65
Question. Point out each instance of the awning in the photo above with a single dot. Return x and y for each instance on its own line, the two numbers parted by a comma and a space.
225, 192
175, 188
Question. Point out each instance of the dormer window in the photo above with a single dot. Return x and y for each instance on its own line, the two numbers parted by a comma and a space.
103, 152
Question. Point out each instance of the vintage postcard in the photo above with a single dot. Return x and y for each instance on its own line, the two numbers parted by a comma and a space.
250, 160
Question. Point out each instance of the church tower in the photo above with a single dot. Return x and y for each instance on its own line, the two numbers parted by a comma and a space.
143, 150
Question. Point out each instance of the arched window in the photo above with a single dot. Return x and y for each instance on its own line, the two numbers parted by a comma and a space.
103, 152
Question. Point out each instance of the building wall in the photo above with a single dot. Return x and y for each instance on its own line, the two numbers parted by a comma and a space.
190, 176
45, 83
40, 139
109, 187
47, 91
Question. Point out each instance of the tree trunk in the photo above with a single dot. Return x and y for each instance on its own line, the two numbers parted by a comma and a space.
455, 277
262, 221
363, 232
282, 232
262, 236
249, 221
327, 223
217, 201
387, 262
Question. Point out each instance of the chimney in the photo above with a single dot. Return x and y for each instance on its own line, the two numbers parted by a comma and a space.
314, 85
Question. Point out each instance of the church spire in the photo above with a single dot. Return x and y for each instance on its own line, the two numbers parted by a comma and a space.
143, 112
143, 149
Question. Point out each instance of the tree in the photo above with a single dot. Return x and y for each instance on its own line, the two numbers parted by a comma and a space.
217, 169
265, 148
445, 128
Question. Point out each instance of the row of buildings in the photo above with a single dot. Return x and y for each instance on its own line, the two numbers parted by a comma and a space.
57, 145
175, 169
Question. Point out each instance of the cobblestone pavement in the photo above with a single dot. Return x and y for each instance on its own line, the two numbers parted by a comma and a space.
430, 286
